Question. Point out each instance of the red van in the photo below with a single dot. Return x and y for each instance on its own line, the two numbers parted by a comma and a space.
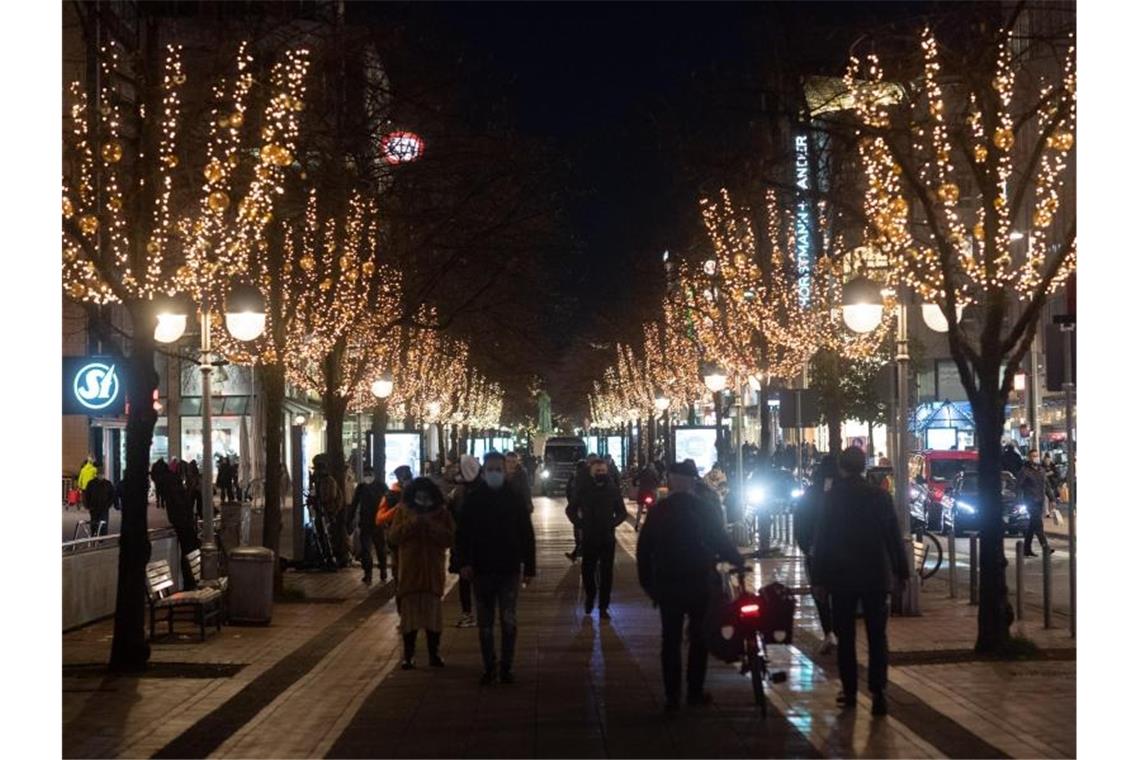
938, 468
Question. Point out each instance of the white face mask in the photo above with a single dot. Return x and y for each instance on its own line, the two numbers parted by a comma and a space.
369, 478
494, 479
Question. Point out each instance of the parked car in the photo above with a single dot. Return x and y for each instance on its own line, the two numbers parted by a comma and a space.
960, 502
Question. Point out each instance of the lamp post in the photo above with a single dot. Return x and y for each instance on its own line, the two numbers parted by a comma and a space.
245, 321
862, 313
381, 389
661, 404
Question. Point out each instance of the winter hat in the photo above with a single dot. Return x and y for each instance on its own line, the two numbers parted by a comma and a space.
468, 467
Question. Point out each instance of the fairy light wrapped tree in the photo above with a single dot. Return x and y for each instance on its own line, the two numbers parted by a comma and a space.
985, 141
147, 212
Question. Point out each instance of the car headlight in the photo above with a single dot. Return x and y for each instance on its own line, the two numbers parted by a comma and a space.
755, 495
797, 493
545, 474
967, 508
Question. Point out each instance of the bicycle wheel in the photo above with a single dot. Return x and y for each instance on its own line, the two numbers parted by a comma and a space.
933, 559
757, 670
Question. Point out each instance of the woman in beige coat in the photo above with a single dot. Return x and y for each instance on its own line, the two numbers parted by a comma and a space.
423, 529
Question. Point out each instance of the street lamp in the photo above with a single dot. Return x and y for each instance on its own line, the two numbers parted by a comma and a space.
862, 305
245, 321
715, 379
382, 388
934, 318
660, 402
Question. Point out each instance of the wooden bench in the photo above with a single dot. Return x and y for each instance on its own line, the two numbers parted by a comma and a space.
204, 604
194, 559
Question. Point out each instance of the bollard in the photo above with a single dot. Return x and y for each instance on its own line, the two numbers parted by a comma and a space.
1020, 575
1047, 590
973, 568
953, 566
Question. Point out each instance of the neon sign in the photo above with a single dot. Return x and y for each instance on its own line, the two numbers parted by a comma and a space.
96, 385
803, 222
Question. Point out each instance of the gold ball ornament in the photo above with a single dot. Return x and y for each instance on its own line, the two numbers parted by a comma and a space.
170, 160
236, 119
224, 122
218, 201
179, 79
68, 208
1003, 138
232, 160
899, 206
268, 151
896, 170
948, 193
88, 224
153, 247
980, 153
999, 202
1061, 141
115, 203
112, 152
308, 263
979, 230
282, 157
213, 171
369, 268
1042, 218
326, 284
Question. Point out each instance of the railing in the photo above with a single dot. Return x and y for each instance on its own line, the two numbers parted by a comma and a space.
82, 545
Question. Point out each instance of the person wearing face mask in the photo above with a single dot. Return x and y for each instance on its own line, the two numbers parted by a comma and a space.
423, 530
600, 509
809, 512
365, 504
387, 513
1036, 493
495, 540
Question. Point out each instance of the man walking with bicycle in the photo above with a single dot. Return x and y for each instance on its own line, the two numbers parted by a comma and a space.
858, 551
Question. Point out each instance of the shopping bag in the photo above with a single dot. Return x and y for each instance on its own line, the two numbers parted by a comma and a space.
1063, 493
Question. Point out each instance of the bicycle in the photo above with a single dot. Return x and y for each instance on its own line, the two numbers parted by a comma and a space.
930, 560
761, 619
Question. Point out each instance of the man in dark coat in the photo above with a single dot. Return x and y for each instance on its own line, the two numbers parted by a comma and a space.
580, 475
1011, 460
495, 540
858, 553
362, 511
1036, 492
809, 513
158, 472
99, 496
677, 551
600, 509
181, 516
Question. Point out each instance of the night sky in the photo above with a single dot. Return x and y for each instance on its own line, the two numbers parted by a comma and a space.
617, 89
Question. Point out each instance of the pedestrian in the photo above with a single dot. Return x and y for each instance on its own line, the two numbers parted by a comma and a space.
646, 484
577, 478
466, 481
423, 530
224, 480
677, 551
600, 509
704, 491
809, 512
330, 505
518, 481
385, 514
496, 539
857, 552
194, 487
99, 497
158, 472
181, 517
1036, 493
362, 513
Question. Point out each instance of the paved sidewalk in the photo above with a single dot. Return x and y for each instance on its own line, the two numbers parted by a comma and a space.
321, 681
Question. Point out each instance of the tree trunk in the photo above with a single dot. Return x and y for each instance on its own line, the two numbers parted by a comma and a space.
129, 648
994, 613
720, 456
272, 377
870, 441
652, 439
834, 431
335, 407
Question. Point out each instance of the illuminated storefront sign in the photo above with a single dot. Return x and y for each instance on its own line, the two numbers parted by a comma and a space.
93, 385
803, 222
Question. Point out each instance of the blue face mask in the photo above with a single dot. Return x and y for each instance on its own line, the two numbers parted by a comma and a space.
494, 479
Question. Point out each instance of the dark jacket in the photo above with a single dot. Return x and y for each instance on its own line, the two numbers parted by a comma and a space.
808, 514
1034, 487
99, 496
858, 545
520, 484
495, 532
365, 501
708, 494
678, 548
1011, 460
647, 479
599, 510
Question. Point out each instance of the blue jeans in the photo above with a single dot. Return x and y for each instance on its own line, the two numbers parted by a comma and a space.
501, 590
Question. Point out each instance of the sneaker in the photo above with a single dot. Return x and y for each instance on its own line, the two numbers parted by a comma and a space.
604, 614
466, 621
408, 665
1030, 554
879, 703
435, 661
488, 678
506, 676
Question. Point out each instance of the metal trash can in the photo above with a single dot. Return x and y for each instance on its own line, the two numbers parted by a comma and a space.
251, 585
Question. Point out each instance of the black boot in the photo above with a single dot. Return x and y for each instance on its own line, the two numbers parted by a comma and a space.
409, 651
433, 649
